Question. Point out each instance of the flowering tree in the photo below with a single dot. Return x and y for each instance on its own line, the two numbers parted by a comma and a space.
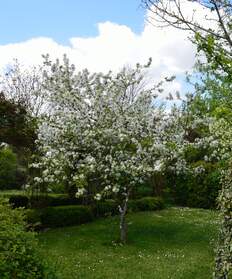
24, 87
102, 129
213, 37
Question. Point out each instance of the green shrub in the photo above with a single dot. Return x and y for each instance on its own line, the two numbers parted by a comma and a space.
133, 206
105, 208
61, 216
64, 200
143, 190
33, 219
148, 204
196, 190
110, 207
19, 252
8, 168
38, 201
19, 201
20, 176
41, 201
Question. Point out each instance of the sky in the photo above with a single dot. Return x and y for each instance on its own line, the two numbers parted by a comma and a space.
63, 19
100, 35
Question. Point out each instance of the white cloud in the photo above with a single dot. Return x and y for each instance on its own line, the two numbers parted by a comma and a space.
114, 46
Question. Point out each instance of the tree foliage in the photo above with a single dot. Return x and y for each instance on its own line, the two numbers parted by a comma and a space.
24, 87
8, 168
213, 36
17, 128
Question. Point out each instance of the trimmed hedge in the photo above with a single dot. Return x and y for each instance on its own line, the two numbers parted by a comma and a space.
64, 200
19, 201
100, 208
105, 208
41, 201
61, 216
148, 204
110, 207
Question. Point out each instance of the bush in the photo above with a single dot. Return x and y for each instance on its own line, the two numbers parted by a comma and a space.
132, 206
22, 200
41, 201
19, 252
64, 200
8, 168
61, 216
105, 208
143, 190
21, 177
197, 190
110, 207
33, 219
148, 204
19, 201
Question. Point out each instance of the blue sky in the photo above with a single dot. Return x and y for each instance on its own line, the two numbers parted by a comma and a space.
100, 35
63, 19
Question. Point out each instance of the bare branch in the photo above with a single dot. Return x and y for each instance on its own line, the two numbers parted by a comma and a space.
171, 13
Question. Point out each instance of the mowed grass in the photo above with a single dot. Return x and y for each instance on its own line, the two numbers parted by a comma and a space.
175, 243
9, 193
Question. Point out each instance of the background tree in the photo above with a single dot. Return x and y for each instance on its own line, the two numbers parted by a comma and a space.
18, 130
8, 168
24, 87
16, 126
213, 36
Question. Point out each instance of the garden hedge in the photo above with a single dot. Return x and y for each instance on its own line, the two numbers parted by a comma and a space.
71, 215
148, 204
41, 201
62, 216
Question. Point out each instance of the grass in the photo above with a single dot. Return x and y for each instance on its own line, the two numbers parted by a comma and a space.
176, 243
8, 193
11, 192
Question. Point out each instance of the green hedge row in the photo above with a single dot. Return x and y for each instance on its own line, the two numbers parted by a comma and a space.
110, 207
102, 208
59, 216
62, 216
42, 201
146, 204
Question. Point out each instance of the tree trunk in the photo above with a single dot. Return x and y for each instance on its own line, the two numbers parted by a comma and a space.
123, 224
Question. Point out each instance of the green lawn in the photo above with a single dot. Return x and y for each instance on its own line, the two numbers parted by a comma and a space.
11, 192
174, 243
8, 193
